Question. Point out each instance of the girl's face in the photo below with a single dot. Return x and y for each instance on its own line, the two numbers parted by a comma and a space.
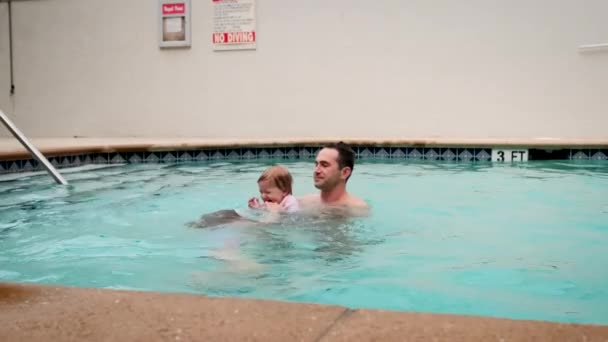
270, 193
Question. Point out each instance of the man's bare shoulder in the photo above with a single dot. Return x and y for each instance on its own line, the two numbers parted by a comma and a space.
357, 206
356, 202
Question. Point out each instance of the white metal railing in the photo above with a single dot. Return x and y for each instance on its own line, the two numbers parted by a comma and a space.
33, 150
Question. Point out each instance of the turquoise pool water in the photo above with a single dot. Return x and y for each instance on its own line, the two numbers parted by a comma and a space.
527, 241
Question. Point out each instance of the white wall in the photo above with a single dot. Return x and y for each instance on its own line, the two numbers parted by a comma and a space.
340, 68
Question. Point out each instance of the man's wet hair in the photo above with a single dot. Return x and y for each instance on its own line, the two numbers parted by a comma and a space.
346, 155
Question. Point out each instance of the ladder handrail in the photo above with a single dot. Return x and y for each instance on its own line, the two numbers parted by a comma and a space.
32, 149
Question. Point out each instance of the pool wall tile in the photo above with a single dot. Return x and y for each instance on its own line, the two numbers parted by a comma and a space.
28, 165
306, 153
449, 154
233, 153
60, 162
77, 160
14, 166
263, 153
116, 158
297, 152
483, 154
398, 152
168, 157
382, 153
86, 159
465, 155
579, 154
277, 153
431, 154
66, 161
365, 152
151, 157
217, 154
249, 153
292, 153
135, 157
599, 154
415, 153
201, 155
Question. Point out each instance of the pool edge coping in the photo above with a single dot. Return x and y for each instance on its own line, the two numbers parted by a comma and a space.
10, 148
39, 312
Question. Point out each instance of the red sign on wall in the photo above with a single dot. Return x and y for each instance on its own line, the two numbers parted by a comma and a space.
174, 20
176, 8
233, 37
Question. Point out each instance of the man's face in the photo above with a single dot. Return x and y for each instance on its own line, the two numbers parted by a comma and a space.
327, 172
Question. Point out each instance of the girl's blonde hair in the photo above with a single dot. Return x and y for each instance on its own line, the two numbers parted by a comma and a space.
280, 177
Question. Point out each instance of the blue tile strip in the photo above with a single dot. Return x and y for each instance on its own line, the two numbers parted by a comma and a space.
440, 154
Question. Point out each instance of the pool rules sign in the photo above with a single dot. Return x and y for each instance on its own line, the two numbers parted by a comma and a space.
234, 25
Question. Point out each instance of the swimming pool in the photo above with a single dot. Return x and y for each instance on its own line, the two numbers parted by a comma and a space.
524, 241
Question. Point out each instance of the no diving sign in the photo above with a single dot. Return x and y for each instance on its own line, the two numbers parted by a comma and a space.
234, 25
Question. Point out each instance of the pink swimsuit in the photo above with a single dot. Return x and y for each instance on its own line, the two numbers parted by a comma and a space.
290, 204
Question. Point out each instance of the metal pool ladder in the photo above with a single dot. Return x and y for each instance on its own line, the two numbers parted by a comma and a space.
33, 150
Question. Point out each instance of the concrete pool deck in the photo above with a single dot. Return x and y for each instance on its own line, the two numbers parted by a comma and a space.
55, 313
10, 148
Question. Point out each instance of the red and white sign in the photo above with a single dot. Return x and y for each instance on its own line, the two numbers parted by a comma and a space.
233, 37
234, 25
174, 23
176, 8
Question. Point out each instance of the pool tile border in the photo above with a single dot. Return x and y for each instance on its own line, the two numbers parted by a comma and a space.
363, 152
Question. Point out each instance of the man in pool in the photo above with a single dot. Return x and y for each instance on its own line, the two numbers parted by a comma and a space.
334, 165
